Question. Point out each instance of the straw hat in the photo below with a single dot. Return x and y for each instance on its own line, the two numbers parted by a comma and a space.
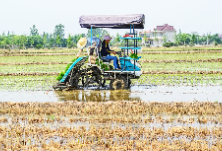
107, 37
82, 43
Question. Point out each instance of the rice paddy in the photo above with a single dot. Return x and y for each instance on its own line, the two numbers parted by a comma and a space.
132, 119
112, 126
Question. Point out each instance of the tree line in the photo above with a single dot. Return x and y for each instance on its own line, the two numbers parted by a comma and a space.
189, 39
35, 40
192, 39
38, 41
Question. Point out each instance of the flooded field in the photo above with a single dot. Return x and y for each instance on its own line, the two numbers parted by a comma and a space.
141, 93
175, 105
121, 125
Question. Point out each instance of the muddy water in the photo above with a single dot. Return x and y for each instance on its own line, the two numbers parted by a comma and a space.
143, 93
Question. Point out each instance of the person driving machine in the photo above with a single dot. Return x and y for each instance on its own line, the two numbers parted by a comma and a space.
105, 51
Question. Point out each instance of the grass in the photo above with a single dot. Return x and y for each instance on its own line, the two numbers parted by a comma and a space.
196, 56
45, 82
25, 59
67, 58
185, 66
32, 68
27, 83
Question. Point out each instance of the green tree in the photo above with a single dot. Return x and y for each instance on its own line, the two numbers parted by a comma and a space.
117, 39
98, 32
34, 31
184, 38
51, 41
76, 38
15, 41
145, 37
203, 40
23, 40
215, 43
45, 40
58, 40
215, 38
4, 41
30, 41
59, 30
193, 38
38, 41
3, 34
69, 42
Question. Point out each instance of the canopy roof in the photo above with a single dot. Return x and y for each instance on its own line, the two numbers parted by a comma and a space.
113, 21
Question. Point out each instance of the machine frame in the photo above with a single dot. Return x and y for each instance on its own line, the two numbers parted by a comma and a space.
77, 77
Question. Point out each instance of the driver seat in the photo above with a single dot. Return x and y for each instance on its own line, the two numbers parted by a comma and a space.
103, 58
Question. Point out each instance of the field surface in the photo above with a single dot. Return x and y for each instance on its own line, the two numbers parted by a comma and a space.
175, 105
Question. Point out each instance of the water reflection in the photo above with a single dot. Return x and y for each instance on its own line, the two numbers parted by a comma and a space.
143, 93
93, 95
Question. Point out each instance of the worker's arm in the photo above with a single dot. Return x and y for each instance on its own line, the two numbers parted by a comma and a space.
111, 51
79, 53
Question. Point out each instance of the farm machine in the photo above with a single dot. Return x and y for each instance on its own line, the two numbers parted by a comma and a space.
83, 75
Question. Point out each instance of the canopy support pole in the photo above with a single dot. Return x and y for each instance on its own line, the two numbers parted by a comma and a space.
91, 35
134, 50
130, 28
134, 35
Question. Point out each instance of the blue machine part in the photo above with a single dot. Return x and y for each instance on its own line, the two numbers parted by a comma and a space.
70, 68
136, 48
129, 64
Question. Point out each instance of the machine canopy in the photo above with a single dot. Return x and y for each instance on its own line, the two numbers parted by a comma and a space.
113, 21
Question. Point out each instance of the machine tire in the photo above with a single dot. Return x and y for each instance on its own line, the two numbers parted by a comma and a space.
103, 83
119, 83
129, 83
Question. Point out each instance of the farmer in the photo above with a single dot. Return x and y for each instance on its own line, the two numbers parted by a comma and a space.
105, 51
86, 42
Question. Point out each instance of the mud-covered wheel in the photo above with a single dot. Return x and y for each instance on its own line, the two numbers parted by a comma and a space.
119, 83
103, 83
129, 83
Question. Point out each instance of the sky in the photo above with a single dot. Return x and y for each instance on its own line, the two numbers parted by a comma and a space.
202, 16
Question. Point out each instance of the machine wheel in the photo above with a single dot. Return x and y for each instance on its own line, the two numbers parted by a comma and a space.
103, 83
85, 78
129, 83
119, 83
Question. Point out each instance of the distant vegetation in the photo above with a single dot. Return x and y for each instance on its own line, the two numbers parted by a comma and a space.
192, 39
11, 41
